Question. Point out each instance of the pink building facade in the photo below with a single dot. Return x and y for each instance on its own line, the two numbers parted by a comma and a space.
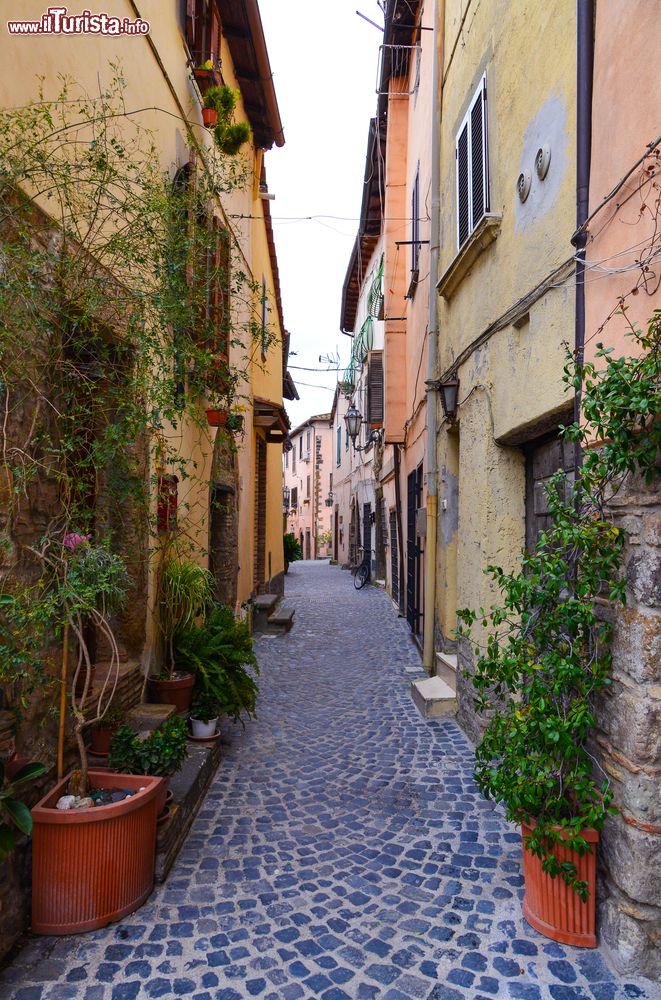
308, 485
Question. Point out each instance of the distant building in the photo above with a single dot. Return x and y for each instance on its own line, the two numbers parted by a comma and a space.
308, 478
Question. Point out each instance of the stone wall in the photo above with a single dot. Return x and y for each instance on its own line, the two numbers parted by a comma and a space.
629, 746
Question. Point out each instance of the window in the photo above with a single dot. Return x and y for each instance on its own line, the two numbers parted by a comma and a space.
300, 446
286, 460
415, 222
472, 155
339, 444
294, 497
293, 459
346, 439
202, 31
307, 441
307, 487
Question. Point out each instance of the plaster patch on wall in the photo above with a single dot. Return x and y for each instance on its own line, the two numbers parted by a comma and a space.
548, 126
449, 516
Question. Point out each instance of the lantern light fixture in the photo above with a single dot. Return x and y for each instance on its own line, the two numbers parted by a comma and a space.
286, 494
449, 392
353, 419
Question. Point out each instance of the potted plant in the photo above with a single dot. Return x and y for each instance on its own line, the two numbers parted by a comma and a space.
185, 590
160, 754
102, 731
228, 134
204, 715
218, 651
293, 550
75, 840
547, 656
217, 416
207, 75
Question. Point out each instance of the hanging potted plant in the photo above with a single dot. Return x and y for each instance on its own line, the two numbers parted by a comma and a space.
213, 100
207, 75
185, 590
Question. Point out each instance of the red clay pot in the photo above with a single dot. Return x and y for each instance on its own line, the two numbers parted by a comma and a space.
209, 117
216, 418
177, 692
100, 740
550, 906
93, 866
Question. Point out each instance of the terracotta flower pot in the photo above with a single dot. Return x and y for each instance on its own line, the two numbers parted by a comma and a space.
177, 692
100, 740
162, 797
550, 906
93, 866
216, 418
209, 117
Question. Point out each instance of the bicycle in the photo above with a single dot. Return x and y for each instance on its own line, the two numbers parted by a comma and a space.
363, 570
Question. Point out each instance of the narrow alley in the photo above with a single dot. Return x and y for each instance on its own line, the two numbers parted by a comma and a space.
342, 851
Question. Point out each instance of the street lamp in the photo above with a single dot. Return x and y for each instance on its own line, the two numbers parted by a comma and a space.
329, 499
353, 419
449, 391
286, 493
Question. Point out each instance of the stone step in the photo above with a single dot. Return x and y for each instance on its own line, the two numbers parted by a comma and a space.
433, 697
147, 718
263, 607
446, 668
281, 620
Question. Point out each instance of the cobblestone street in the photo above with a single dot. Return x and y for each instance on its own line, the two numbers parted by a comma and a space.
342, 851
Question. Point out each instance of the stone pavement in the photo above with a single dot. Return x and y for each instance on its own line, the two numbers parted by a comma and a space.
342, 851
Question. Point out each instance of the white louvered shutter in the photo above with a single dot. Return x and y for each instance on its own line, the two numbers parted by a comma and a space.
472, 155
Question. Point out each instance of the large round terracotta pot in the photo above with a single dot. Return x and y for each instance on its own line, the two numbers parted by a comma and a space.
93, 866
177, 692
550, 906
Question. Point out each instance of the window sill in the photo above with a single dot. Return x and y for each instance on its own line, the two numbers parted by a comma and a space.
485, 233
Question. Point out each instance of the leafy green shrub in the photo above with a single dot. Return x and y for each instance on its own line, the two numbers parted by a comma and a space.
185, 590
217, 652
547, 652
14, 814
160, 755
293, 550
205, 707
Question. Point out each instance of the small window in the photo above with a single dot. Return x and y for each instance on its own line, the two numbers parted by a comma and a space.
307, 441
294, 497
472, 155
293, 459
339, 444
286, 460
300, 447
307, 487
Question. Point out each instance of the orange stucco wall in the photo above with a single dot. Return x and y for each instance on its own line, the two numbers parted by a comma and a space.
627, 86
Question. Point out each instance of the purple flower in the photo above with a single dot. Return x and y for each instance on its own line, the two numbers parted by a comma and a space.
72, 540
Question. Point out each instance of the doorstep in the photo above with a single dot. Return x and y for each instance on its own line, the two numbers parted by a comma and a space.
189, 787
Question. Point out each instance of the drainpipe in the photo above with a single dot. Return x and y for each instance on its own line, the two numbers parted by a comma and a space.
432, 354
584, 61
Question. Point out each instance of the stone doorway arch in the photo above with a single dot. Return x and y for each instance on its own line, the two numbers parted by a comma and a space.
224, 521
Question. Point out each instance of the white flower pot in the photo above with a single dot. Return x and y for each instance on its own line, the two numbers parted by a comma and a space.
204, 729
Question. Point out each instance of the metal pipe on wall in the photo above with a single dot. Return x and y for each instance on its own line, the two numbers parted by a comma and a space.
432, 353
584, 75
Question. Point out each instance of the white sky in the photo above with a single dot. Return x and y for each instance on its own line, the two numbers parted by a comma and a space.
324, 59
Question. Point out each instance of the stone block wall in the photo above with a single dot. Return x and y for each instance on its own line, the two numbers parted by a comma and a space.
628, 743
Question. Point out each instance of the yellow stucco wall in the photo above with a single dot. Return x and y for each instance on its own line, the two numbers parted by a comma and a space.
511, 386
160, 91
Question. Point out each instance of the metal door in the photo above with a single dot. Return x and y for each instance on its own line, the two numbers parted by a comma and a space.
413, 611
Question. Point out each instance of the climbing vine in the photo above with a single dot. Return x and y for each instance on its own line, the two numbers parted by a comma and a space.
547, 652
125, 312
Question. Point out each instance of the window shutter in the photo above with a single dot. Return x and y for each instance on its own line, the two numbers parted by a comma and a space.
375, 390
415, 223
463, 203
190, 23
479, 184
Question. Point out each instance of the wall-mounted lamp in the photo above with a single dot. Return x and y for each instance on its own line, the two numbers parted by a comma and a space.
286, 494
329, 499
449, 392
353, 419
